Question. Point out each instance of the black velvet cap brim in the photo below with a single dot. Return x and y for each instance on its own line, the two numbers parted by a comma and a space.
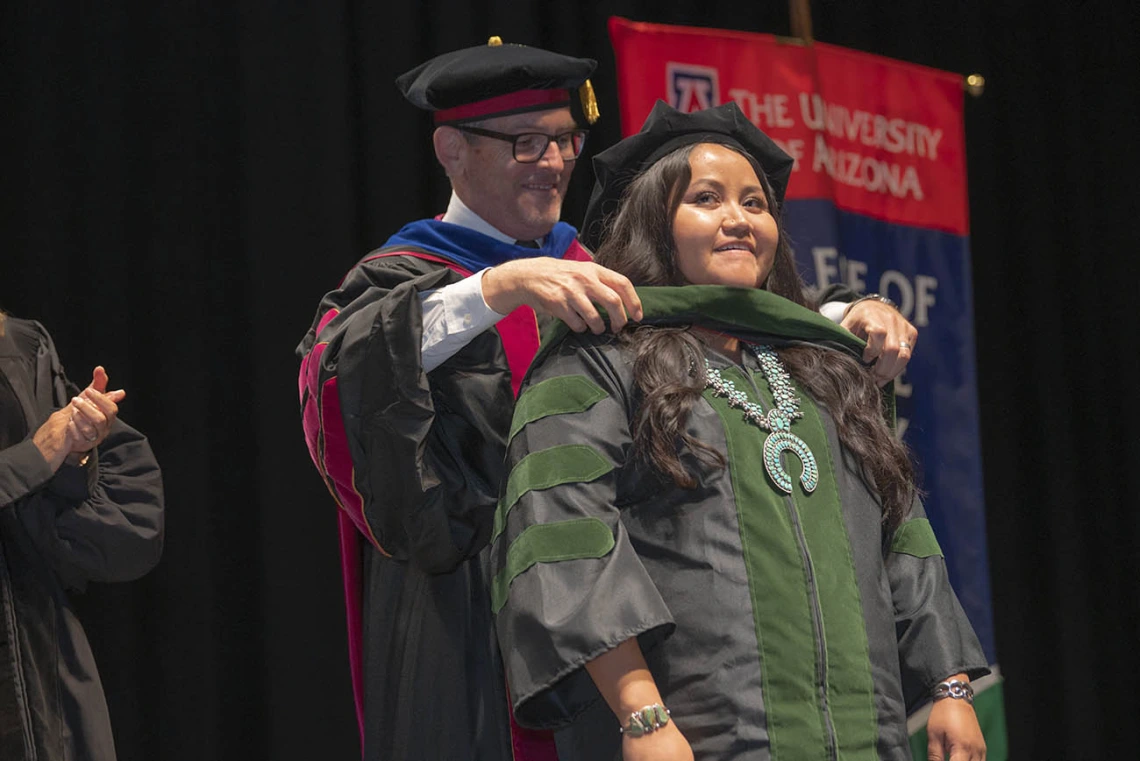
488, 71
664, 131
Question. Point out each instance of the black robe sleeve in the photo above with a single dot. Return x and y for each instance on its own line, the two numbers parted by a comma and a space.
836, 292
103, 521
568, 584
22, 471
414, 458
99, 522
935, 638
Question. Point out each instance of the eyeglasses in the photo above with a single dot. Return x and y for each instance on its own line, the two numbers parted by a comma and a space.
530, 147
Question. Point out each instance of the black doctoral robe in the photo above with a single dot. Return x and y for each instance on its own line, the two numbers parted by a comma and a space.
413, 460
779, 627
99, 522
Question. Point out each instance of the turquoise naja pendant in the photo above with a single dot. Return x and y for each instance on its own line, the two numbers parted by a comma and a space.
782, 441
776, 421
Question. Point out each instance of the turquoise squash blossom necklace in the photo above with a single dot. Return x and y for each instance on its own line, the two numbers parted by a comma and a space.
777, 421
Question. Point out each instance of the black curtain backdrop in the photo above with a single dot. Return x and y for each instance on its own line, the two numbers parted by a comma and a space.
183, 180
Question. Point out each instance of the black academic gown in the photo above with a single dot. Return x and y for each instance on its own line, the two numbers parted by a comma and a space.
99, 522
778, 626
413, 460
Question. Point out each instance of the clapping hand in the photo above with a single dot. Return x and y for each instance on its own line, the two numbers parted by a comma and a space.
93, 412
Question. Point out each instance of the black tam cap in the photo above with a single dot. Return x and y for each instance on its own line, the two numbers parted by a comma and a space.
497, 80
665, 130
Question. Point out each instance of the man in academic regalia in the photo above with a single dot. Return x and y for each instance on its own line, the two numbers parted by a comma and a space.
407, 386
407, 391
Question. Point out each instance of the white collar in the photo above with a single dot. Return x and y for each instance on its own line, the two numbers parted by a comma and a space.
458, 213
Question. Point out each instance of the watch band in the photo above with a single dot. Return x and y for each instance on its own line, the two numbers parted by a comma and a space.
872, 297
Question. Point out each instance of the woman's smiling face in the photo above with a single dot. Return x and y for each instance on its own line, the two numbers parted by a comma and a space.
723, 231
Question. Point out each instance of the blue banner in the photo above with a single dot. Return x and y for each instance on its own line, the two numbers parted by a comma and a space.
927, 273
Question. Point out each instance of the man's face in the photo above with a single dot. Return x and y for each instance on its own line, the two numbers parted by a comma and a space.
522, 200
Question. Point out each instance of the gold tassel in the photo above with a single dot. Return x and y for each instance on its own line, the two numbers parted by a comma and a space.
589, 102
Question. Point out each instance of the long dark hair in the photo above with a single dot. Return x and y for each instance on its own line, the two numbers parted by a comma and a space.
668, 362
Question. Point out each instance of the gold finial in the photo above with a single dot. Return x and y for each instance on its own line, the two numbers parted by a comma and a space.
495, 41
975, 84
589, 102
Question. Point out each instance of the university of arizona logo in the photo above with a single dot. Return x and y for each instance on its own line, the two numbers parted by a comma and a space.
691, 88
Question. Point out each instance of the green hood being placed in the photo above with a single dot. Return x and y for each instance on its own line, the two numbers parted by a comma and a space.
750, 314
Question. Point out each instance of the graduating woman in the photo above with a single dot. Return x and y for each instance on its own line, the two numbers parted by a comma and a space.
708, 522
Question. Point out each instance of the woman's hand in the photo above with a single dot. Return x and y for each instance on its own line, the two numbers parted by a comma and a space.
93, 412
57, 437
665, 744
627, 686
953, 732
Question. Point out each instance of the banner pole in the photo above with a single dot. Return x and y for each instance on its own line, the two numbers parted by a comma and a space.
800, 13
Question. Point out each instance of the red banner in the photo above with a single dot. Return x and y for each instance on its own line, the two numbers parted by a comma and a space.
875, 136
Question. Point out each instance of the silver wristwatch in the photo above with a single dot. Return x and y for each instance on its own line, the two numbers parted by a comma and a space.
872, 297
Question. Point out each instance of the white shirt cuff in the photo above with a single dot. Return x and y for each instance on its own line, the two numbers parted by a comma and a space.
453, 315
833, 310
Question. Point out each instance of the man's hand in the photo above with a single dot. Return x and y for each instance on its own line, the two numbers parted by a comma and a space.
567, 290
94, 411
953, 732
890, 338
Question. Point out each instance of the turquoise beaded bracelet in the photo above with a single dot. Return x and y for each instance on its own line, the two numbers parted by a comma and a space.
648, 719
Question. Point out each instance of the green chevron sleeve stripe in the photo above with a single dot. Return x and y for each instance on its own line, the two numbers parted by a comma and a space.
555, 396
571, 463
916, 537
550, 543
